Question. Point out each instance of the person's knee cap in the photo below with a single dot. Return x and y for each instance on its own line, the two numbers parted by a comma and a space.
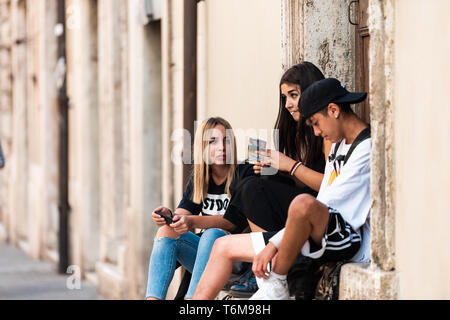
301, 205
166, 232
221, 246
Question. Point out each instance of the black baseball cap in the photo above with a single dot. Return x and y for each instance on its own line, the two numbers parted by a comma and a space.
323, 92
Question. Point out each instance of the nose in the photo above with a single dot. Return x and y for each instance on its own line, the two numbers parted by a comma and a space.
289, 103
221, 145
317, 131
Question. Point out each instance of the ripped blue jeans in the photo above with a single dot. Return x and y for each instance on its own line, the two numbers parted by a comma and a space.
190, 250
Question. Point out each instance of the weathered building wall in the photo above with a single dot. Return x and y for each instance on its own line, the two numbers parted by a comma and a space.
145, 99
82, 88
42, 122
5, 109
28, 125
381, 274
409, 116
328, 38
18, 157
113, 151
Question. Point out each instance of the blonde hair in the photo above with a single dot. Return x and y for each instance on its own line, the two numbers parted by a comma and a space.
202, 167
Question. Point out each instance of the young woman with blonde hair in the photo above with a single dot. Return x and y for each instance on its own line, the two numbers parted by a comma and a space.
208, 192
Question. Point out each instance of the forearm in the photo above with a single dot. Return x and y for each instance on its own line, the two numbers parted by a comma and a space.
309, 177
207, 222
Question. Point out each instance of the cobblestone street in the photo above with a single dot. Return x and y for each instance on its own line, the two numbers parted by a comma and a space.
22, 278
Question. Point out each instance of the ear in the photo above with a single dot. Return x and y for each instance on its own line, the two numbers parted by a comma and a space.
334, 111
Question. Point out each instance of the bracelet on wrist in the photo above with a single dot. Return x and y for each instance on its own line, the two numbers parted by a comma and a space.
294, 167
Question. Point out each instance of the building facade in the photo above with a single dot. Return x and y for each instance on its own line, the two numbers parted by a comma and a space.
140, 74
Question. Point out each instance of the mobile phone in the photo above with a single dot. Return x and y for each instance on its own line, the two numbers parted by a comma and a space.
256, 150
168, 219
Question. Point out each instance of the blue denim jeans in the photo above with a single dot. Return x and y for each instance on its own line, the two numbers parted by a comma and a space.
190, 250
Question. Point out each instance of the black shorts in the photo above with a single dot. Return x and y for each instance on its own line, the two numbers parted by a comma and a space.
339, 243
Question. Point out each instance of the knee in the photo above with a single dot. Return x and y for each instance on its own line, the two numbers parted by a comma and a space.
221, 247
166, 231
209, 237
301, 206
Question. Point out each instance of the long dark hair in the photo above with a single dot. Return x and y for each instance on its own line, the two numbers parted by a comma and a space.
297, 140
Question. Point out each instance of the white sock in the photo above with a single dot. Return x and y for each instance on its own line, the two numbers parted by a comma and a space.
278, 276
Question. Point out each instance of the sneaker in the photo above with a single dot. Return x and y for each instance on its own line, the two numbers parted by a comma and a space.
246, 288
239, 278
272, 289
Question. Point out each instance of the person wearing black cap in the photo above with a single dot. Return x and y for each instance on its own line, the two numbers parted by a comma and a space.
335, 225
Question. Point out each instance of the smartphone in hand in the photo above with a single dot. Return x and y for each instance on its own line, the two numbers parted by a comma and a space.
168, 219
256, 150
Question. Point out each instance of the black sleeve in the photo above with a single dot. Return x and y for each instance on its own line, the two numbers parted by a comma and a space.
236, 217
186, 202
243, 171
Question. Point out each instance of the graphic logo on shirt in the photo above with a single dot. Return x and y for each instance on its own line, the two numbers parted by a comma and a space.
333, 176
337, 164
215, 204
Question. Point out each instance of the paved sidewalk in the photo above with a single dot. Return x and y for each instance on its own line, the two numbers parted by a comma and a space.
22, 278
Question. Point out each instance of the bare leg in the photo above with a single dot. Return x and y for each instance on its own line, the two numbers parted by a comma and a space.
307, 217
254, 227
225, 251
166, 231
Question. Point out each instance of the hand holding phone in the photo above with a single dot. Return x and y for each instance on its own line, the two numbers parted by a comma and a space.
168, 219
256, 150
162, 215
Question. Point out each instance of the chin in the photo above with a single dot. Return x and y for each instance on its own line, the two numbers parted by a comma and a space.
220, 162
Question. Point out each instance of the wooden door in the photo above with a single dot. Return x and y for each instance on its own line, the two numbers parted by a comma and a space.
362, 38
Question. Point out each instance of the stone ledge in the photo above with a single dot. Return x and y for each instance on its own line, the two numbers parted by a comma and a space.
362, 281
111, 283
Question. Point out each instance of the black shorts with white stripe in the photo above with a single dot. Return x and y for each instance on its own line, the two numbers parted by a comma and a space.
339, 243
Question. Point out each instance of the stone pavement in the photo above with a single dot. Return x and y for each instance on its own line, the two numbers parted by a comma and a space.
22, 278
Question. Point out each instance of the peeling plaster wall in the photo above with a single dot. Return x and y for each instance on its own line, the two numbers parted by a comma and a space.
329, 38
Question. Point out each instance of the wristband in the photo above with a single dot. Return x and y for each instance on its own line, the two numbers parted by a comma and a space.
294, 167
